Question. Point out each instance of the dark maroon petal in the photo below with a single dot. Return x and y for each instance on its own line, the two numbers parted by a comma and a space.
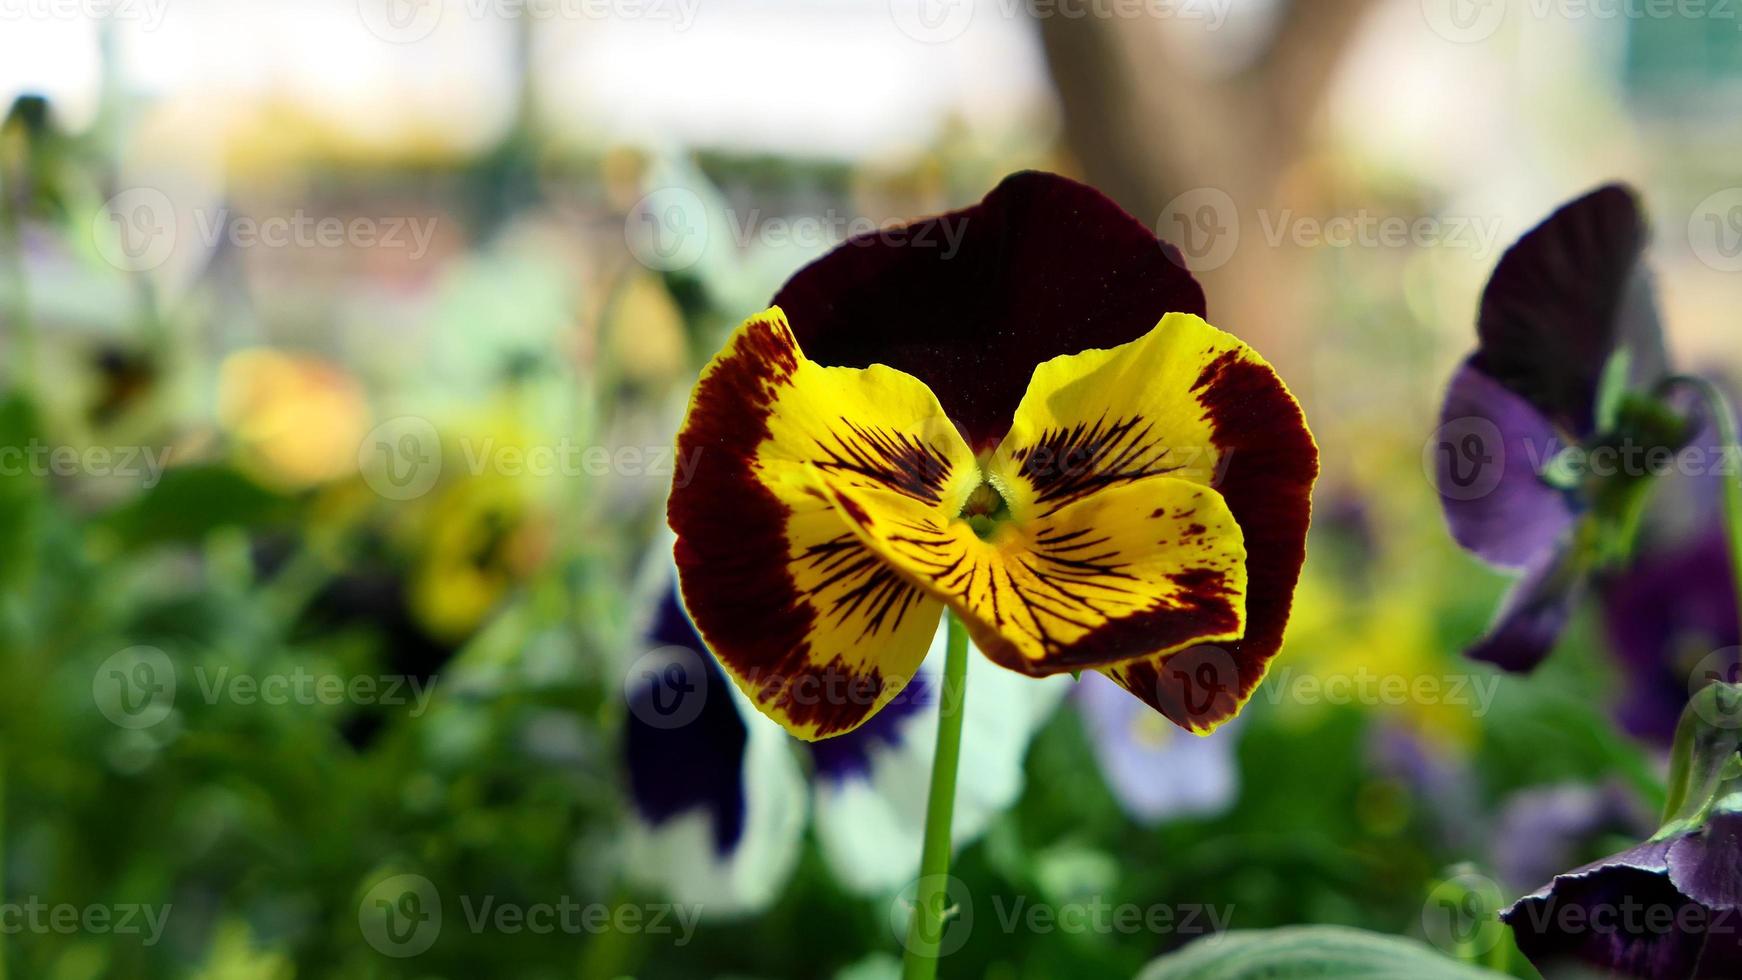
1707, 865
696, 765
1563, 299
1534, 614
971, 301
1491, 448
1670, 607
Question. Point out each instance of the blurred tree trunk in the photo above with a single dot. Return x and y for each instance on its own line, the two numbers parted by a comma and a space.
1146, 128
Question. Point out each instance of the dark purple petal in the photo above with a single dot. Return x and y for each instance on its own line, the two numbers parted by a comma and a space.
695, 765
1492, 447
1563, 299
848, 756
1663, 614
1707, 865
1620, 920
1534, 613
972, 301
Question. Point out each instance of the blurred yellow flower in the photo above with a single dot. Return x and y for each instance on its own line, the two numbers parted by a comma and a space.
1378, 651
484, 534
296, 420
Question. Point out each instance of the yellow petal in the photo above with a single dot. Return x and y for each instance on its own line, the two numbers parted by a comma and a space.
1121, 573
816, 630
1192, 403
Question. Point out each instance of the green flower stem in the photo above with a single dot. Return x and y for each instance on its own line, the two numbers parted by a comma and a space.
1718, 407
931, 898
18, 286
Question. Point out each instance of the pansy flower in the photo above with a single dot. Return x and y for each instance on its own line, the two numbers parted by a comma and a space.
1154, 772
719, 794
1035, 429
1670, 907
1569, 342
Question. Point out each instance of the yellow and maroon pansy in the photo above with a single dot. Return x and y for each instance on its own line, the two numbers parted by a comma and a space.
1034, 427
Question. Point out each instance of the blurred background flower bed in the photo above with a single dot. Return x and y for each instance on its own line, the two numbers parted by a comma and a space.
342, 352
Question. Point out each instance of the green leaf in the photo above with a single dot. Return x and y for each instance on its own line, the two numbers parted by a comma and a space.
192, 501
1308, 951
1612, 388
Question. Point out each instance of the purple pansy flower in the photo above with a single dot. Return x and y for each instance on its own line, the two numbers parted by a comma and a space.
1664, 909
1670, 616
1155, 772
1545, 828
1669, 907
1566, 329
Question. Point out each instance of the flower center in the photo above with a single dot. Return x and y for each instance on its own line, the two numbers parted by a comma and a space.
985, 509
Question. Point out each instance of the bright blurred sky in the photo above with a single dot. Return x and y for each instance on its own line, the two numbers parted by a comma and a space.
830, 77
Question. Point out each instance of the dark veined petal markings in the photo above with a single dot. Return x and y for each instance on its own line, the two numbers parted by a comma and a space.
1066, 465
874, 596
888, 458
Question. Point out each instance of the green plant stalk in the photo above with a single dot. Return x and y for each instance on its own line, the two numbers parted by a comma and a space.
4, 946
931, 910
12, 246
